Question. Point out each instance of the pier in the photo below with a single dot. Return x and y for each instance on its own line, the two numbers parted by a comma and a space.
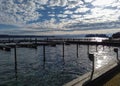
5, 48
88, 79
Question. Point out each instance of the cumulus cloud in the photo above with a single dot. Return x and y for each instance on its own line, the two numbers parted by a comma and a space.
19, 12
62, 15
103, 2
58, 13
41, 2
81, 10
68, 12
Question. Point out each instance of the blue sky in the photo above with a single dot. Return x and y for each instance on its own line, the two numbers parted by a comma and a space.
44, 17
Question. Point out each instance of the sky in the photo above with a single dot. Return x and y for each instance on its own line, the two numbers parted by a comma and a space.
57, 17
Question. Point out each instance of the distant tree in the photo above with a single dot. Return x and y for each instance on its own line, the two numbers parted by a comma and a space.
116, 35
3, 36
96, 35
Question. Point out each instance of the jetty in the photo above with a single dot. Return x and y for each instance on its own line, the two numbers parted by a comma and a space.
98, 77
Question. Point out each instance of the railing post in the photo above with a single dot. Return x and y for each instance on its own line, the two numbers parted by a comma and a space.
116, 51
91, 57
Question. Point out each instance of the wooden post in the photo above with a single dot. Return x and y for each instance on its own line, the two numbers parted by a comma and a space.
77, 50
9, 39
63, 52
30, 39
13, 39
88, 49
93, 68
116, 51
24, 40
15, 57
103, 47
44, 59
47, 39
35, 40
91, 57
96, 48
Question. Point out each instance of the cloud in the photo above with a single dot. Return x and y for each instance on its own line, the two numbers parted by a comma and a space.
68, 12
41, 2
81, 10
103, 2
62, 15
57, 14
19, 13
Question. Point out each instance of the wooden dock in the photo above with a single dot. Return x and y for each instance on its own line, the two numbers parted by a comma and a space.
5, 48
84, 80
67, 41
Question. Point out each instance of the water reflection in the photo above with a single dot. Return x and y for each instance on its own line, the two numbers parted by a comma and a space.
30, 64
104, 57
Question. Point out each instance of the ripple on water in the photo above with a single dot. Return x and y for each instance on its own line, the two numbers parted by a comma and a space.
32, 71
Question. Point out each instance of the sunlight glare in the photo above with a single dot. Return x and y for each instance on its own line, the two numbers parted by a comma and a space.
98, 39
99, 64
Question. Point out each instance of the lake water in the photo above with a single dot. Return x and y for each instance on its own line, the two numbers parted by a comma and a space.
31, 70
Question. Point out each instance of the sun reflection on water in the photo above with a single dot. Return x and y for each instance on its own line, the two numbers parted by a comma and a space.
103, 57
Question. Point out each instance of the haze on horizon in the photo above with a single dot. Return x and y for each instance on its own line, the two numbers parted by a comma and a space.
53, 17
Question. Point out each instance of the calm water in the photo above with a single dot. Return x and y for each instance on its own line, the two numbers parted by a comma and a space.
55, 72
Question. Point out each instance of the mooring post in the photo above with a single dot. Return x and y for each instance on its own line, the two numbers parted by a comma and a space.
30, 39
47, 39
15, 57
96, 48
13, 39
116, 51
35, 40
63, 52
91, 57
77, 50
88, 49
103, 47
9, 39
44, 58
24, 39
